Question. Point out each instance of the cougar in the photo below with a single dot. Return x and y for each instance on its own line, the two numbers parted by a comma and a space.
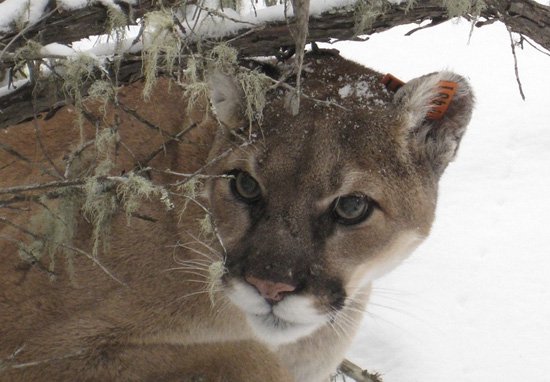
253, 262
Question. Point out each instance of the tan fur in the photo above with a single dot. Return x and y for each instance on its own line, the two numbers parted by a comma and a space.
146, 313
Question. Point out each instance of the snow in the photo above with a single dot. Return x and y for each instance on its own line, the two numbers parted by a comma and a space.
12, 11
55, 49
4, 90
473, 302
345, 91
77, 4
20, 11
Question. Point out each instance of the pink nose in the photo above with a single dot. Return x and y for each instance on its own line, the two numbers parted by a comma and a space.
268, 289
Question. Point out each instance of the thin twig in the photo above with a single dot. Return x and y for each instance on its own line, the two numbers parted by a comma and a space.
31, 260
172, 138
523, 38
301, 12
10, 150
353, 371
209, 213
74, 154
188, 175
210, 163
140, 33
42, 186
222, 15
248, 32
142, 119
69, 247
6, 203
513, 45
24, 30
281, 82
40, 143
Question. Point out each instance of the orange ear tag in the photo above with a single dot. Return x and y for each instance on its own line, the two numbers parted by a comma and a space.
445, 93
391, 83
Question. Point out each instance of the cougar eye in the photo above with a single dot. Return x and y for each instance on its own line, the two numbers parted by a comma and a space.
352, 209
245, 187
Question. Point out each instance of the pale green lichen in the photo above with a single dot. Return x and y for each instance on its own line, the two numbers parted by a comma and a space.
77, 71
366, 13
106, 141
194, 70
196, 88
224, 58
54, 227
216, 271
99, 207
255, 86
456, 8
410, 5
196, 93
190, 191
162, 47
117, 24
135, 189
104, 92
205, 225
191, 188
31, 49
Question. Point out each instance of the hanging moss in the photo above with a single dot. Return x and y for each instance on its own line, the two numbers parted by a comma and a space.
106, 141
205, 225
30, 49
216, 271
162, 47
410, 5
190, 191
224, 58
104, 92
77, 71
55, 227
366, 13
117, 23
255, 86
99, 208
136, 189
456, 8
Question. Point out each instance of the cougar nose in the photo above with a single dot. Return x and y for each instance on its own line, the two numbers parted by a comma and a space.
268, 289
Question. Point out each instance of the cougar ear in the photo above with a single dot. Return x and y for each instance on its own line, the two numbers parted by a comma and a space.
226, 97
436, 109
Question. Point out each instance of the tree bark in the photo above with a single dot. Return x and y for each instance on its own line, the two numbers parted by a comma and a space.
521, 16
64, 26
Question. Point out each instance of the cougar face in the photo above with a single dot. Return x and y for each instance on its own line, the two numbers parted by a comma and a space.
324, 202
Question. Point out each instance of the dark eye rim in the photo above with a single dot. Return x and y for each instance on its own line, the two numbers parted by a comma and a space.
234, 189
370, 205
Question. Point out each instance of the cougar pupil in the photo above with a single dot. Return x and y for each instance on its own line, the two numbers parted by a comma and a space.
352, 209
245, 187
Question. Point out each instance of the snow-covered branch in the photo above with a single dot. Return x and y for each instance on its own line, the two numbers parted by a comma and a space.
259, 32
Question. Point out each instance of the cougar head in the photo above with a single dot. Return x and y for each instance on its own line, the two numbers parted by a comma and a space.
323, 202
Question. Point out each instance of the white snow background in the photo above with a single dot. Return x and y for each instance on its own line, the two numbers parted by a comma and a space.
472, 304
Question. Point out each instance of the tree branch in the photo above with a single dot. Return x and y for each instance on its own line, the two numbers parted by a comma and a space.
64, 27
521, 16
351, 370
526, 17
